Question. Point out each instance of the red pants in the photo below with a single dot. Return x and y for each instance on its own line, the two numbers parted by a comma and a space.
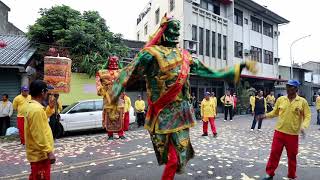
126, 121
290, 142
171, 165
213, 126
120, 133
40, 170
20, 123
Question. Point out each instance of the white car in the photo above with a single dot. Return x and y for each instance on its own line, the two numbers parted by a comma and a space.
85, 115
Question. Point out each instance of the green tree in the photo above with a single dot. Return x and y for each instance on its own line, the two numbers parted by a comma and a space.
86, 37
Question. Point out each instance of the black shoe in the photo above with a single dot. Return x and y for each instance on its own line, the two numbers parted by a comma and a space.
122, 137
268, 178
110, 138
205, 134
215, 135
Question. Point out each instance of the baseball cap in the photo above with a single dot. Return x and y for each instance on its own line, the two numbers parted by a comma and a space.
206, 94
24, 88
38, 86
294, 83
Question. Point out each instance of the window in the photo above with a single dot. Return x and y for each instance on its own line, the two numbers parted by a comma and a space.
238, 17
256, 54
225, 47
256, 24
83, 107
207, 42
171, 5
210, 7
268, 57
157, 16
216, 9
146, 29
213, 44
238, 49
204, 4
99, 105
219, 46
201, 38
267, 29
138, 36
194, 33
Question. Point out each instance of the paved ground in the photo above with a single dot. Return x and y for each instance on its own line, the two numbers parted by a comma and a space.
237, 153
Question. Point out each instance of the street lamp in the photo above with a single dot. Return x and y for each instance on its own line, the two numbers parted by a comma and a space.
291, 73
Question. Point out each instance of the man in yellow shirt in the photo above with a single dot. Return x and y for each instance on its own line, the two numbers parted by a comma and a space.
38, 135
127, 106
208, 113
227, 101
270, 101
318, 109
18, 103
294, 117
140, 106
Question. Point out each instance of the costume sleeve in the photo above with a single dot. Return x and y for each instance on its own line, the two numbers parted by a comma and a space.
132, 72
100, 90
275, 111
200, 69
307, 115
37, 128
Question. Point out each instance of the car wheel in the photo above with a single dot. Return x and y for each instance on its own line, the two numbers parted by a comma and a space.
60, 131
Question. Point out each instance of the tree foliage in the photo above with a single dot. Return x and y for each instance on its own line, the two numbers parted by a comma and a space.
85, 35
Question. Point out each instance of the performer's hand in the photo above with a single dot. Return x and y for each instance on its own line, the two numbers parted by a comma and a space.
52, 158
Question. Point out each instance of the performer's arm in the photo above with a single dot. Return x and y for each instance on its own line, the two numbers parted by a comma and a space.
133, 71
231, 73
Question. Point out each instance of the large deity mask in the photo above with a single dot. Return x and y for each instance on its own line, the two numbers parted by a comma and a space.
171, 34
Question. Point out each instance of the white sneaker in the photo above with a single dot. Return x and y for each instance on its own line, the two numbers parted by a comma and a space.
224, 120
259, 130
251, 129
231, 120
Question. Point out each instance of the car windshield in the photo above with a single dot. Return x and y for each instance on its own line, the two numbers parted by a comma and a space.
65, 110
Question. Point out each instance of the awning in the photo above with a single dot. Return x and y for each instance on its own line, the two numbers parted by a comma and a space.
263, 78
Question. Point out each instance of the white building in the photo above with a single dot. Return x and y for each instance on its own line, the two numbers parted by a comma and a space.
221, 33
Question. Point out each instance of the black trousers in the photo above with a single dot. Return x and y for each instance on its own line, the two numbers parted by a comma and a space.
4, 125
54, 125
254, 122
140, 118
228, 109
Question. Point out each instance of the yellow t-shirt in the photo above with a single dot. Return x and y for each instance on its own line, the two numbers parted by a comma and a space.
271, 99
139, 105
207, 109
214, 99
38, 135
292, 115
252, 100
19, 102
127, 104
318, 103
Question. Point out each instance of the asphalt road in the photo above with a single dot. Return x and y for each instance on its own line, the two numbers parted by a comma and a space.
237, 153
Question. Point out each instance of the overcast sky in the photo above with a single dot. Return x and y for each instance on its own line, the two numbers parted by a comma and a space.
121, 18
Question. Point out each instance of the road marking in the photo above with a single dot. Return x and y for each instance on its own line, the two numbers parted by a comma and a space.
79, 165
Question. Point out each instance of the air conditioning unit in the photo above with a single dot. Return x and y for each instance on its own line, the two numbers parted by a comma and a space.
276, 60
191, 46
276, 33
196, 1
247, 52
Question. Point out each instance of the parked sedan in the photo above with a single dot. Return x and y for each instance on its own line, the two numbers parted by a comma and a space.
85, 115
